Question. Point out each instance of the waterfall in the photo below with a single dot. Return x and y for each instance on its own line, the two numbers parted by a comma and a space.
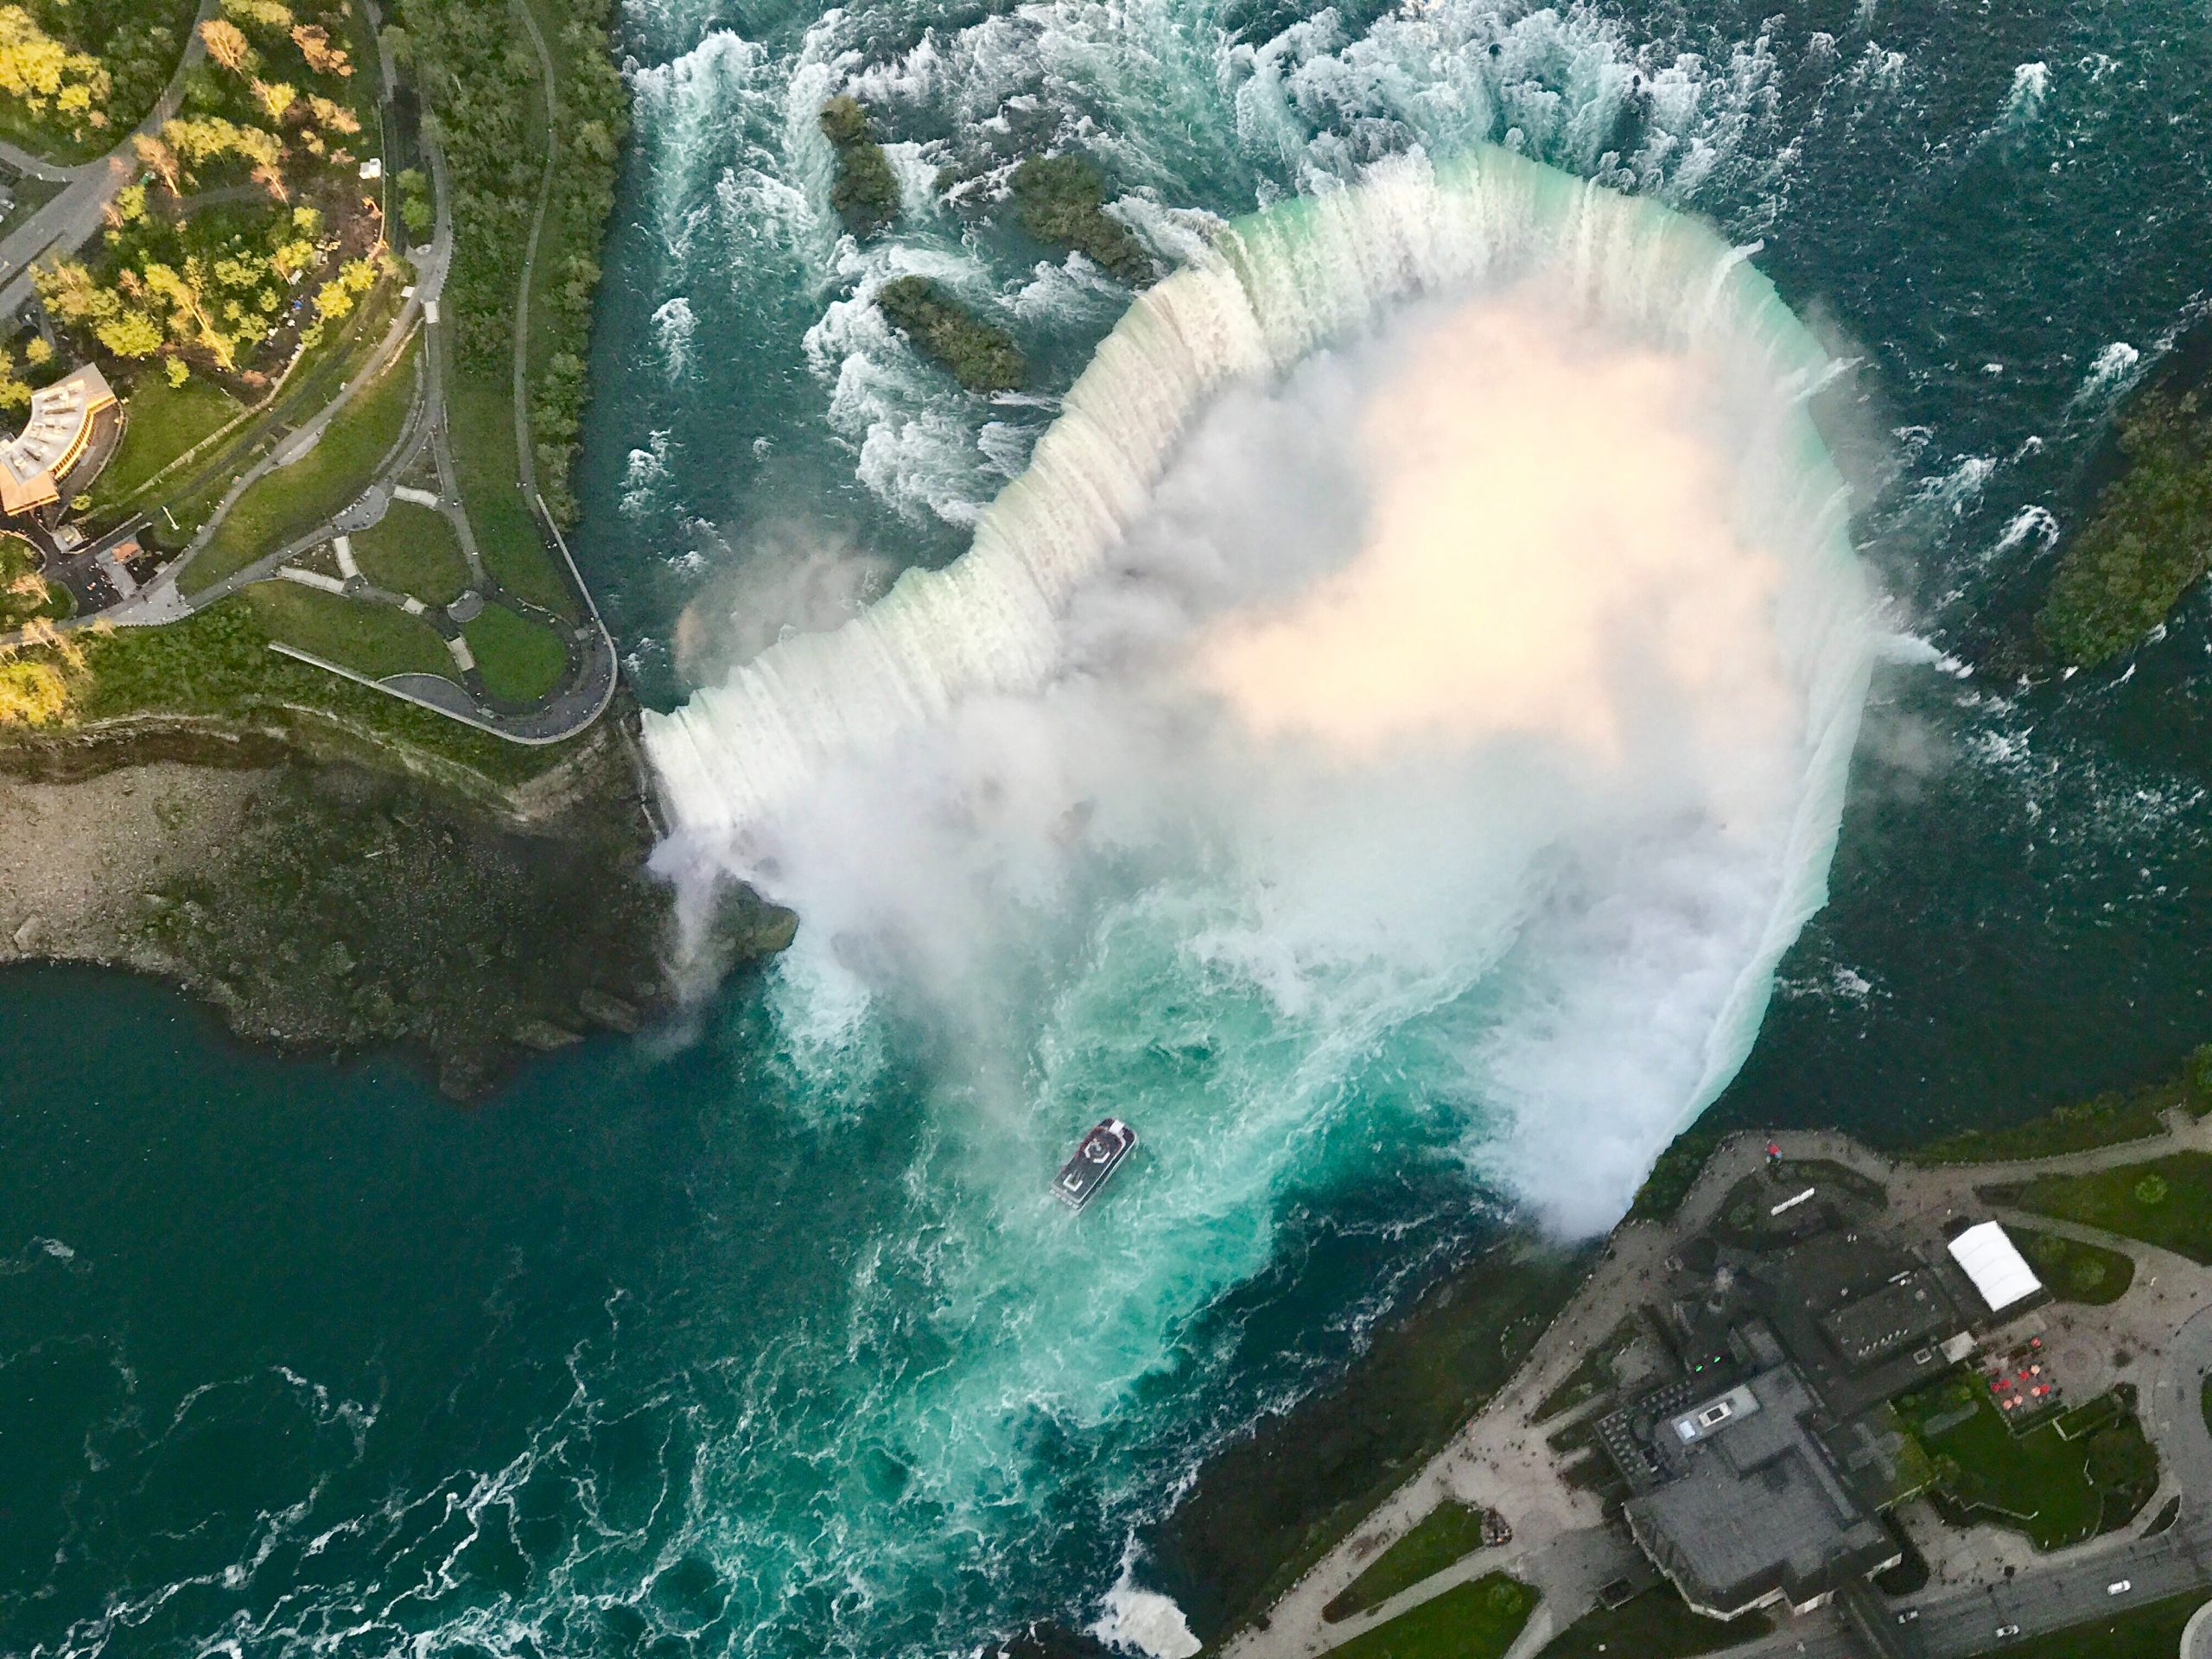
1280, 283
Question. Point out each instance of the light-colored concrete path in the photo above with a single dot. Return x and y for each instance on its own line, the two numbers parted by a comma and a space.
1562, 1545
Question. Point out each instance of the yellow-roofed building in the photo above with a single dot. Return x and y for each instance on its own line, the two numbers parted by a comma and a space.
64, 418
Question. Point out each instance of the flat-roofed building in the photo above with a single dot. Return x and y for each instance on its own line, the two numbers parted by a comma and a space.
66, 419
1753, 1507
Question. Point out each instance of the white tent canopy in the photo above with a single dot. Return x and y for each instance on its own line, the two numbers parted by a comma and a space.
1999, 1271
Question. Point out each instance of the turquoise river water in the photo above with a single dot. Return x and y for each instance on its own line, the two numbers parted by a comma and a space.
759, 1339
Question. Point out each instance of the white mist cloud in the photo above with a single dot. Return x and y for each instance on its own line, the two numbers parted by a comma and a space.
1434, 724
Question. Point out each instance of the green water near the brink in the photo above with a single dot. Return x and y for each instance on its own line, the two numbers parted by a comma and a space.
296, 1356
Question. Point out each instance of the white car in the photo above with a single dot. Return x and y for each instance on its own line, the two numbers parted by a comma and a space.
2004, 1631
2120, 1586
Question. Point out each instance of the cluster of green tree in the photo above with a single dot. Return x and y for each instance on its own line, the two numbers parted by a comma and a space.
220, 289
16, 389
417, 210
275, 98
2147, 542
866, 194
481, 84
1062, 199
981, 358
76, 72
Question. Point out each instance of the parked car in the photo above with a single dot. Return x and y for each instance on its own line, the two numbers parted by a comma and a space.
1908, 1616
2003, 1631
2120, 1586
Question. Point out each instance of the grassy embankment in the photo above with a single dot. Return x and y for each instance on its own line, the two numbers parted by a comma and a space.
1657, 1624
292, 500
1272, 1504
2074, 1272
370, 639
2150, 1631
492, 110
2085, 1473
2110, 1119
217, 665
1446, 1533
2148, 539
1476, 1620
2162, 1201
412, 550
164, 423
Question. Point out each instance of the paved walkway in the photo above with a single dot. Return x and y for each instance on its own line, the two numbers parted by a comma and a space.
1563, 1546
592, 668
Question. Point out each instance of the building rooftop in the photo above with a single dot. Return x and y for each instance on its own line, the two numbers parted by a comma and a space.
1755, 1506
1998, 1273
54, 436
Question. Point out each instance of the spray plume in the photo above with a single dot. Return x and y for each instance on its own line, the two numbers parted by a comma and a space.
1411, 689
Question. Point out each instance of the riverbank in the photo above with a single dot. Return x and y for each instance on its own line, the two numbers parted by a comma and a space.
325, 905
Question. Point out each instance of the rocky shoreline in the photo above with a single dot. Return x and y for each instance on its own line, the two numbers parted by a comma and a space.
322, 906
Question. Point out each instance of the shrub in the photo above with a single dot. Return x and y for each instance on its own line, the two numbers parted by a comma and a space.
2152, 1190
1062, 199
981, 358
2147, 542
866, 194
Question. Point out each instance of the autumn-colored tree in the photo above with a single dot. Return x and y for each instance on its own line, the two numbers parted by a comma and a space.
333, 116
15, 391
158, 157
227, 44
276, 98
323, 57
43, 73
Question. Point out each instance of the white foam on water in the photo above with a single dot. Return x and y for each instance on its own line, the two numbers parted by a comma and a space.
1137, 1620
780, 772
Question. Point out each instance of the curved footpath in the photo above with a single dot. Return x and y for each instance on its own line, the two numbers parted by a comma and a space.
593, 667
1563, 1544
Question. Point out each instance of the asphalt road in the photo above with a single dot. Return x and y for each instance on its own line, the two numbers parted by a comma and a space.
67, 222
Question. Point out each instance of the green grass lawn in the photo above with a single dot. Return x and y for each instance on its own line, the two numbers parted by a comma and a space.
482, 415
521, 660
294, 499
1657, 1624
369, 639
217, 663
1476, 1620
2076, 1272
2163, 1201
161, 422
2103, 1121
2055, 1491
1447, 1532
412, 550
2150, 1631
24, 594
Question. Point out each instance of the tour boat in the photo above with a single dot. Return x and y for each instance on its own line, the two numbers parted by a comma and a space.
1100, 1155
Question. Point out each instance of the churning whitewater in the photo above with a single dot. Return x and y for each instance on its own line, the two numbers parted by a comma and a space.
1428, 643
